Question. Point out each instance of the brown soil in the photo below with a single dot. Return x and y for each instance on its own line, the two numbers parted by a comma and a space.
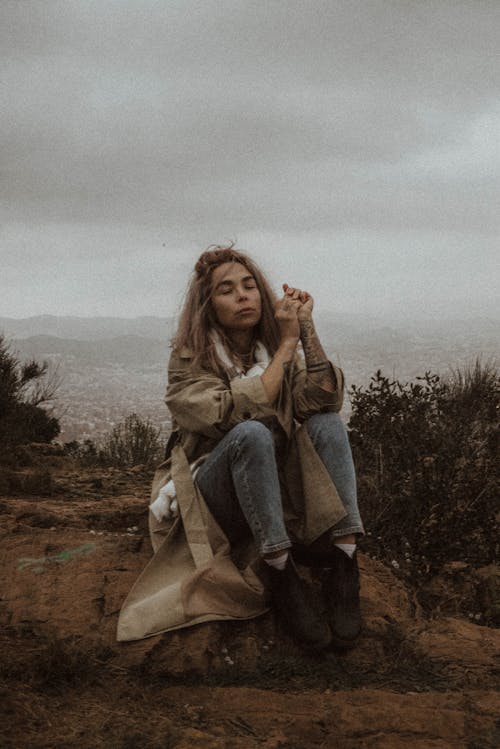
69, 555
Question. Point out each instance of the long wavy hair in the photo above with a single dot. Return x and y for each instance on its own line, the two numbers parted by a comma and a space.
198, 317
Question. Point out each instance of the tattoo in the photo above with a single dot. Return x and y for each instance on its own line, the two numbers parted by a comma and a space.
318, 366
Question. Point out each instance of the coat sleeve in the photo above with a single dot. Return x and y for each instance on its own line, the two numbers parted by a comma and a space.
308, 397
202, 402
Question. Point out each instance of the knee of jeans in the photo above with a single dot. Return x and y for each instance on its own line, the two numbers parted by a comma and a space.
327, 426
252, 433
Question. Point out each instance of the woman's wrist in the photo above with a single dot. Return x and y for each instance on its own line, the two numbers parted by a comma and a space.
288, 345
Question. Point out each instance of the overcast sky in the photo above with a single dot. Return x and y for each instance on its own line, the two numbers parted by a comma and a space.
353, 148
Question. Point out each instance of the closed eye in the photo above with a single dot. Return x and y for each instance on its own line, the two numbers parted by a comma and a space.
227, 287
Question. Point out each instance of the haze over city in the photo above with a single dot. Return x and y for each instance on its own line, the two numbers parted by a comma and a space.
351, 147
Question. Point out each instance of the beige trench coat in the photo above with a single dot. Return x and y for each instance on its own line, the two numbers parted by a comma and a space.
194, 575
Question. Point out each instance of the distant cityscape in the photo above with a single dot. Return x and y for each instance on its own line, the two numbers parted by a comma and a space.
111, 367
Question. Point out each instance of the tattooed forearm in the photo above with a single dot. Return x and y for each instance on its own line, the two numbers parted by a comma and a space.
313, 349
318, 366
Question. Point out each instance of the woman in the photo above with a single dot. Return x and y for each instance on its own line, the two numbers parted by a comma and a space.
258, 460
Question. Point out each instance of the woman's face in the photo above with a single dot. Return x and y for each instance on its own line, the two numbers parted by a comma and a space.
235, 297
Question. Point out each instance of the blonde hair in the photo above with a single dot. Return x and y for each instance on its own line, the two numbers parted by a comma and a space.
197, 316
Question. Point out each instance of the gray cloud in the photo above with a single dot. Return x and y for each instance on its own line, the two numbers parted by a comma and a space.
185, 120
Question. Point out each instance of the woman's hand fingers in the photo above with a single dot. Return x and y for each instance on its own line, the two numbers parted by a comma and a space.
302, 298
288, 304
294, 293
291, 291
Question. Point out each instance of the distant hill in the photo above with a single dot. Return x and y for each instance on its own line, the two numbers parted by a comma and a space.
127, 350
336, 327
144, 341
88, 328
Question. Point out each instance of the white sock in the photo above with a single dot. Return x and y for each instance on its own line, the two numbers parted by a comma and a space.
349, 549
278, 562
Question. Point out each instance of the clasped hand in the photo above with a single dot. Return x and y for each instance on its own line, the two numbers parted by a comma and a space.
294, 307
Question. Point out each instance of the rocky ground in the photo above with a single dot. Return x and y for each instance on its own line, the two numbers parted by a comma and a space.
72, 543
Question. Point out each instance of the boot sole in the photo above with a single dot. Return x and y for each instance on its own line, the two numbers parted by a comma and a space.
316, 648
340, 643
297, 639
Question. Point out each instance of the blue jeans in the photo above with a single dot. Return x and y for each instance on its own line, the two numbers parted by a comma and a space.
241, 486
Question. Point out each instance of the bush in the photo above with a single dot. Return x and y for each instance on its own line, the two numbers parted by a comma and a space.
23, 388
133, 442
86, 452
427, 460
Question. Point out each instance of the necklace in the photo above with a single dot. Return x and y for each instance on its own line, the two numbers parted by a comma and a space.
247, 359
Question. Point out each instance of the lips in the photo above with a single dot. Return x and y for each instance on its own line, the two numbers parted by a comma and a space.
246, 311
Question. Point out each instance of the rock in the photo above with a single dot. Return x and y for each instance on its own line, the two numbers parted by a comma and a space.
363, 719
140, 468
46, 448
464, 650
452, 568
70, 583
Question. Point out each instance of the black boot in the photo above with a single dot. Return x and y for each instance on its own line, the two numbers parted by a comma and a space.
317, 555
340, 586
294, 604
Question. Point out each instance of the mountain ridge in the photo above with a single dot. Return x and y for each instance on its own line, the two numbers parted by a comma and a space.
163, 328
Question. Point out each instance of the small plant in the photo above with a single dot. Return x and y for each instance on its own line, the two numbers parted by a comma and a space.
131, 443
86, 452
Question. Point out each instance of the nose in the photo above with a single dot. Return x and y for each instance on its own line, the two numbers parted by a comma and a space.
242, 292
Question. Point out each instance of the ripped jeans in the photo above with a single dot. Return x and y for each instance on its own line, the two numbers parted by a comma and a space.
240, 481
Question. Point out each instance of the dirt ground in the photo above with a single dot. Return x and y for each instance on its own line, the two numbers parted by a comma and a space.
73, 542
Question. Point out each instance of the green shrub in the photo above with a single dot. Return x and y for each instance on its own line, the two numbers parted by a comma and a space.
427, 460
23, 388
133, 442
86, 452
